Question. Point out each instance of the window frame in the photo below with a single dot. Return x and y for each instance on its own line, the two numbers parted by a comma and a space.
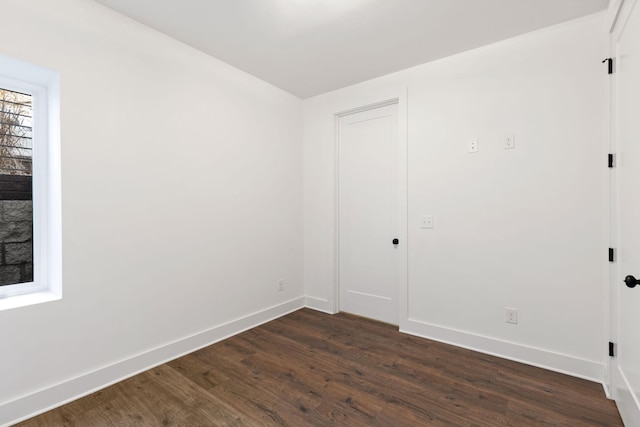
43, 85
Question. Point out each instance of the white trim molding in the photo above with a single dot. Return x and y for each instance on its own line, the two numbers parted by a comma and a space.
367, 101
43, 84
319, 304
627, 401
557, 362
49, 398
613, 12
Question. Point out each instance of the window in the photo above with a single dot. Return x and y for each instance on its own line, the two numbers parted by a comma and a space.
30, 235
16, 195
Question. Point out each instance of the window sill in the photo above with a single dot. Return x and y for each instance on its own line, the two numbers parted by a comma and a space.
9, 302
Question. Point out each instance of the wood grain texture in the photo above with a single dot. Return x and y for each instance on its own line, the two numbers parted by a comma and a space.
313, 369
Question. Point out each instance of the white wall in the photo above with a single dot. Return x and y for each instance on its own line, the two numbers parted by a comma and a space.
182, 203
521, 228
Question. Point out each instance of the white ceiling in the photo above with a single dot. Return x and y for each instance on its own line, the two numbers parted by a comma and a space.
308, 47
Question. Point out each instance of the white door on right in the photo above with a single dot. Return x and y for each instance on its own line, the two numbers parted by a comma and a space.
626, 375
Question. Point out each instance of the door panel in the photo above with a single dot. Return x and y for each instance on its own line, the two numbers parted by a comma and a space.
368, 213
627, 117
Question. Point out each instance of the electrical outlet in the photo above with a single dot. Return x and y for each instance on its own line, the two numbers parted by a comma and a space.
426, 221
473, 145
280, 285
511, 315
509, 141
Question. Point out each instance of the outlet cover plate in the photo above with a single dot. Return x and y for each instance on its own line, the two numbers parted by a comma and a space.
509, 141
511, 315
473, 145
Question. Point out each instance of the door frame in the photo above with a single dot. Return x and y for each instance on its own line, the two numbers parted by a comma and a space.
617, 17
399, 99
610, 146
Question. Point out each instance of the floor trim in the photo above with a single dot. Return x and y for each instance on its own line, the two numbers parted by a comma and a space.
46, 399
627, 402
319, 304
557, 362
553, 361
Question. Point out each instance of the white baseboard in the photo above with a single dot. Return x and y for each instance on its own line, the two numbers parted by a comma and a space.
607, 391
565, 364
606, 382
318, 304
626, 401
44, 400
557, 362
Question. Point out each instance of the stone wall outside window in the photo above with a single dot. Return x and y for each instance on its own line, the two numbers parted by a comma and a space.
16, 241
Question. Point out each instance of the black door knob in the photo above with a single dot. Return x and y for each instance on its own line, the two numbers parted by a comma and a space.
396, 241
631, 281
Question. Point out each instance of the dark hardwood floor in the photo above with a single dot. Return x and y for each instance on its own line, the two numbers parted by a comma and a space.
312, 369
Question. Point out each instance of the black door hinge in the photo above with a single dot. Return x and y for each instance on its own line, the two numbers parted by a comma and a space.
610, 160
609, 62
612, 255
611, 352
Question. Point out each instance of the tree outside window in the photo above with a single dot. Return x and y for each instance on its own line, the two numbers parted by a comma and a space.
16, 196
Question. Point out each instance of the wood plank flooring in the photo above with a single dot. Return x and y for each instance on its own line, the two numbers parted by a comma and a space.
312, 369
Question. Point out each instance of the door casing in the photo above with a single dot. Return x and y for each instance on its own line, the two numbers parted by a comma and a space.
399, 98
618, 15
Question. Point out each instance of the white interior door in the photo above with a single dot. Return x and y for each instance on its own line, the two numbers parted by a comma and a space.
368, 213
626, 371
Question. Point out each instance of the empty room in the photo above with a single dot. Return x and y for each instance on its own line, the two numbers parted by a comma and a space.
319, 212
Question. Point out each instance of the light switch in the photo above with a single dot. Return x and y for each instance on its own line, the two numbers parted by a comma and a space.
426, 221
